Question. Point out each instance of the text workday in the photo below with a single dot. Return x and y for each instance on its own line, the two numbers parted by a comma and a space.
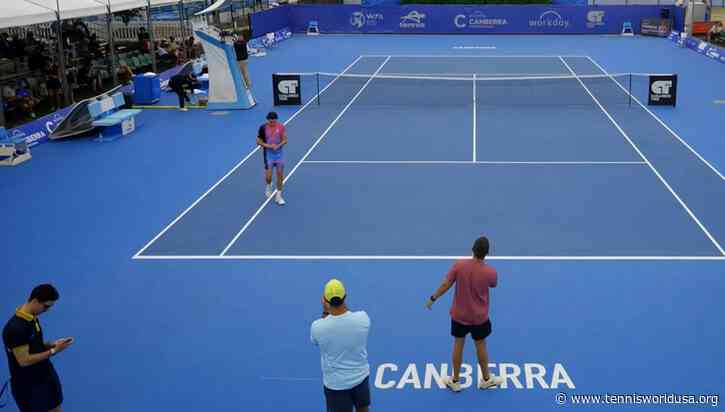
550, 19
477, 20
431, 376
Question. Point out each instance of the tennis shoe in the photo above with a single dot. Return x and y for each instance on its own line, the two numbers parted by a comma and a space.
279, 200
454, 386
268, 191
492, 381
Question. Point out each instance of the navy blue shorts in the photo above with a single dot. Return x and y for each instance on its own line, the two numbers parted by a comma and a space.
41, 396
478, 332
345, 400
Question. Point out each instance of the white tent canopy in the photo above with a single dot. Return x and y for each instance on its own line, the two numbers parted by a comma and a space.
14, 13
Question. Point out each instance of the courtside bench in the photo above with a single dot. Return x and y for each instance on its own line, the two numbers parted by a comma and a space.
111, 119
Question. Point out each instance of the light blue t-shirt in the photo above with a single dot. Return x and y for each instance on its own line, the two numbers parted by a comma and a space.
343, 349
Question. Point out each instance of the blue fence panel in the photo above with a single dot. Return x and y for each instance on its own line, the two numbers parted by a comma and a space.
271, 20
440, 19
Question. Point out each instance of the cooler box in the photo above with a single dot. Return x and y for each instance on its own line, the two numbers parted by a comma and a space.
147, 89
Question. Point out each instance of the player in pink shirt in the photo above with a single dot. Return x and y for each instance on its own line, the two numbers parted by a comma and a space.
272, 136
469, 311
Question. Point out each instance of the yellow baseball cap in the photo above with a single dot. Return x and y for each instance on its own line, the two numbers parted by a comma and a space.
334, 289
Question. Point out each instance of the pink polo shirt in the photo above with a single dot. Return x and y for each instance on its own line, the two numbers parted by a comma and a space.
471, 278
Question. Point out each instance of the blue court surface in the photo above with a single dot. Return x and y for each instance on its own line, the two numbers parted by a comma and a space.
186, 289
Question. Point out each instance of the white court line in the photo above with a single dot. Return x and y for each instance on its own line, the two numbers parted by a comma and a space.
466, 162
286, 379
431, 257
474, 118
214, 186
487, 56
317, 142
660, 121
474, 47
634, 146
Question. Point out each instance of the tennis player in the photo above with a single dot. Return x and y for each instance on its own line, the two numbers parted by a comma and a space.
272, 137
342, 337
469, 312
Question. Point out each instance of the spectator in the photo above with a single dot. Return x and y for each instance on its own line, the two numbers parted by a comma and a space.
125, 74
37, 60
55, 88
30, 40
26, 100
173, 47
240, 48
714, 32
189, 47
9, 93
5, 51
18, 48
144, 42
94, 48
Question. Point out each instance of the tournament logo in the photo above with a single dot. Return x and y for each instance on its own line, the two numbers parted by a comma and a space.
550, 19
287, 89
595, 18
478, 20
413, 20
17, 134
360, 19
357, 19
661, 87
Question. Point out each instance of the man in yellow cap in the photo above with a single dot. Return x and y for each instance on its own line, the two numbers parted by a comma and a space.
342, 336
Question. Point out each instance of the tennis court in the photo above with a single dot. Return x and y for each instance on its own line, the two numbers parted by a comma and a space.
186, 290
417, 166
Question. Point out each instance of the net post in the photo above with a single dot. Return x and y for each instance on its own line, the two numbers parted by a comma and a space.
629, 92
317, 75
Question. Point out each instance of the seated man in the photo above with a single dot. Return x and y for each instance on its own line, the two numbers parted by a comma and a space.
714, 32
26, 103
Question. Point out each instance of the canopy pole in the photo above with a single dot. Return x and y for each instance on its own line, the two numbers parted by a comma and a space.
152, 36
112, 46
61, 57
231, 10
181, 23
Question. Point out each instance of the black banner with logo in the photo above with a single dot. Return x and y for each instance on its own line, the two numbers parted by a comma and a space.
663, 90
287, 89
654, 26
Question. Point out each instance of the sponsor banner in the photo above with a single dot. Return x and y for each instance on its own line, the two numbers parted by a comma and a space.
38, 130
269, 21
439, 19
714, 52
656, 27
286, 89
663, 90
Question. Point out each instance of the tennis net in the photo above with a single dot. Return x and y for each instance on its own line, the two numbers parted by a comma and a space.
499, 91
